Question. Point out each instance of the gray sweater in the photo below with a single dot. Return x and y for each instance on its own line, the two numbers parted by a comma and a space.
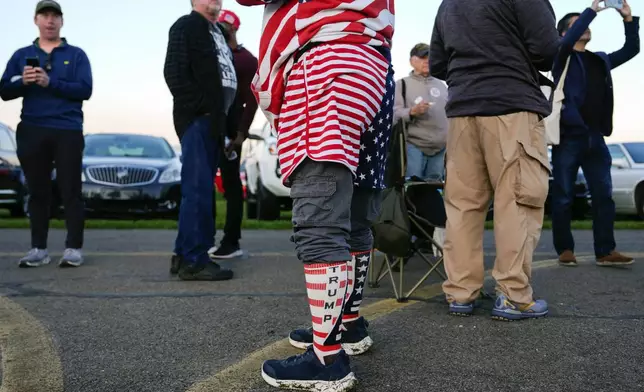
428, 132
490, 52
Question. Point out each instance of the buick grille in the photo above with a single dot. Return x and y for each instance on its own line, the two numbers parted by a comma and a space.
122, 175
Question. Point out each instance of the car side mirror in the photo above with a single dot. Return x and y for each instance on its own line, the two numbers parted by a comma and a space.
253, 136
620, 163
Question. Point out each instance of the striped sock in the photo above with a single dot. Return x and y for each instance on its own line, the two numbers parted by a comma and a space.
357, 277
326, 285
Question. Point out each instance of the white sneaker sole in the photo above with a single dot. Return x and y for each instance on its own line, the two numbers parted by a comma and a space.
348, 383
69, 263
238, 253
352, 349
30, 264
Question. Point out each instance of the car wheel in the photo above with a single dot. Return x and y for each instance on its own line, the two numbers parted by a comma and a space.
639, 200
580, 209
268, 207
251, 205
17, 211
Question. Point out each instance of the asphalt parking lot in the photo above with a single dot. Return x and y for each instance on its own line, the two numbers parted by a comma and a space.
122, 323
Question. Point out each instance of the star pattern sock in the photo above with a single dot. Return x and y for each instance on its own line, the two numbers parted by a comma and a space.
326, 286
357, 277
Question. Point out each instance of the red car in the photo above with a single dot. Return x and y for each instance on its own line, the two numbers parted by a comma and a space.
219, 186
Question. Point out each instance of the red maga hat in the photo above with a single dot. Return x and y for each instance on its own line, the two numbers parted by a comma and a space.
229, 17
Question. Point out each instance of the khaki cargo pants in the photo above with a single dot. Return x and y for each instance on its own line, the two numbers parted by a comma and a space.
504, 158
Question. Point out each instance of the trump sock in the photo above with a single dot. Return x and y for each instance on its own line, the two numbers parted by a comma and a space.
326, 286
357, 277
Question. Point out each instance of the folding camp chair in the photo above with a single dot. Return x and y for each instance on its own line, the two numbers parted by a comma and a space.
423, 206
426, 212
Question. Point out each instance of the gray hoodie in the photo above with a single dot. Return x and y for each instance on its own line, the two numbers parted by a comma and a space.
428, 132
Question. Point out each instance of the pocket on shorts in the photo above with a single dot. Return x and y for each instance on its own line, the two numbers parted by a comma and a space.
313, 200
531, 187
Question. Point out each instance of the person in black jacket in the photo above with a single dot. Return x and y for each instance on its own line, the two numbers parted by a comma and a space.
490, 53
200, 75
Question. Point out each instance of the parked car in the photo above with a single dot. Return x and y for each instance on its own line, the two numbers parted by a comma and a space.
266, 195
11, 187
132, 175
628, 177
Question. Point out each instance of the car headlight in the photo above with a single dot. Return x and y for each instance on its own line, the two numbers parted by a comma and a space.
171, 174
83, 178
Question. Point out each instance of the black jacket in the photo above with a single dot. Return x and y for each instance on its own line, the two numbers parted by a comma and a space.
490, 52
191, 72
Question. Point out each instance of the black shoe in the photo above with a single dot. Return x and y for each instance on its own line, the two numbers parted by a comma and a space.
175, 264
355, 340
305, 372
226, 251
209, 271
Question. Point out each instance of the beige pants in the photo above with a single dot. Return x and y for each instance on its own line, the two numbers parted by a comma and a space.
504, 158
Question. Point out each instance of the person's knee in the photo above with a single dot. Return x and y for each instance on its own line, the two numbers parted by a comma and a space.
321, 244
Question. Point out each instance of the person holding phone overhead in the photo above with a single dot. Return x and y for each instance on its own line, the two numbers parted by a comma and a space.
586, 118
54, 78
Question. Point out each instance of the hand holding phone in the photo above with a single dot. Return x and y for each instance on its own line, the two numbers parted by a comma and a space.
617, 4
33, 62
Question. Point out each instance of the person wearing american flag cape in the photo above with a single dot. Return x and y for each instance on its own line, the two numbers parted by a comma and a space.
325, 82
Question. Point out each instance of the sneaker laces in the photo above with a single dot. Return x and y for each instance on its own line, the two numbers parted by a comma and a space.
299, 358
33, 252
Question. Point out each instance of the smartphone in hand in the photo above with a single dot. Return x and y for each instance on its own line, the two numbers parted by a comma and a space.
33, 62
617, 4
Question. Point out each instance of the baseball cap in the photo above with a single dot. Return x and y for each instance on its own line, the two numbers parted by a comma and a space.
45, 5
420, 50
229, 17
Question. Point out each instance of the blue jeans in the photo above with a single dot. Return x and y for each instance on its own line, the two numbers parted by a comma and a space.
591, 153
199, 150
423, 166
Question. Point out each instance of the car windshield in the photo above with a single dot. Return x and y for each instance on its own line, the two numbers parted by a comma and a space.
130, 146
636, 151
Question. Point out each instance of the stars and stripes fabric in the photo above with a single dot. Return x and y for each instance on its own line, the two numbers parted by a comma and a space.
289, 25
374, 142
333, 94
326, 286
356, 279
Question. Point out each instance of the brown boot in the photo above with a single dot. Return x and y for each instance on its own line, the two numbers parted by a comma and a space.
614, 259
567, 259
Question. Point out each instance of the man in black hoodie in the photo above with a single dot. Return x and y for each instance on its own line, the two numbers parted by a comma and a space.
200, 74
490, 53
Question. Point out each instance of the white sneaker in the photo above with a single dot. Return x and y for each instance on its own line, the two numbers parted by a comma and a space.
71, 258
35, 258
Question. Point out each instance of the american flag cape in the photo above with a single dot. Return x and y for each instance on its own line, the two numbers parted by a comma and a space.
347, 32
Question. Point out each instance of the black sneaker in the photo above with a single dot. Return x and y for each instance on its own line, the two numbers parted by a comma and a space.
306, 372
355, 340
226, 251
209, 271
175, 264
